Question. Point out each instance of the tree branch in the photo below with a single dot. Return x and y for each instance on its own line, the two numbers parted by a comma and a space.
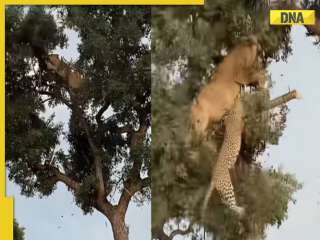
103, 205
134, 183
105, 208
59, 176
137, 139
131, 187
180, 232
52, 95
161, 235
101, 111
283, 99
46, 100
95, 150
67, 181
97, 156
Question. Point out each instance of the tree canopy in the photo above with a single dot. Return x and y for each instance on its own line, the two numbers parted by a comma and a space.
188, 43
108, 130
18, 231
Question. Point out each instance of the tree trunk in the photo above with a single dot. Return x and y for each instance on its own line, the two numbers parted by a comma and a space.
119, 228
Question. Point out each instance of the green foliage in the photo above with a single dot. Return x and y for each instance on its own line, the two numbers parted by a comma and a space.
18, 231
264, 193
314, 5
261, 127
111, 50
115, 59
181, 181
187, 45
86, 194
201, 33
30, 140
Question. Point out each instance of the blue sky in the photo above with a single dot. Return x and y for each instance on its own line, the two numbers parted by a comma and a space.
57, 217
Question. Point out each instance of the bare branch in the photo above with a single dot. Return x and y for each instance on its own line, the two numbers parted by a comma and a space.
131, 187
283, 99
180, 232
58, 175
53, 96
101, 111
137, 139
97, 155
134, 183
46, 100
67, 180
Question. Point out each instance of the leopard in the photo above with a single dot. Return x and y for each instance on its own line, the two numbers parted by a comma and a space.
220, 100
228, 154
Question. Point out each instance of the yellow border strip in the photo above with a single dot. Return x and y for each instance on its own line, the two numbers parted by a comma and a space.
105, 2
6, 218
2, 106
6, 204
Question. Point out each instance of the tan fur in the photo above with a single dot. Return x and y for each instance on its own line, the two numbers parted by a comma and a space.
212, 103
217, 98
71, 77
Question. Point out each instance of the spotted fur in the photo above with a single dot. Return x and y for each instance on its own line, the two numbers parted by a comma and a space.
221, 179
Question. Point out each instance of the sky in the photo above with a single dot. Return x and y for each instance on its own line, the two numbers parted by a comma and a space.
298, 149
57, 216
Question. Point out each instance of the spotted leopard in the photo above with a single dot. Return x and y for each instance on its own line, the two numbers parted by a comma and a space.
221, 179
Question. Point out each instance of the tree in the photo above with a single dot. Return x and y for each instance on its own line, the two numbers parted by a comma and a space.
18, 231
108, 154
187, 44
